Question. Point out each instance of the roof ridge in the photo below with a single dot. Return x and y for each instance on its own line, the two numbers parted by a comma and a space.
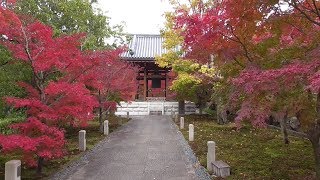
144, 46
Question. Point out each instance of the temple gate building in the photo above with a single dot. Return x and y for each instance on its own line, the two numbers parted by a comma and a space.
152, 94
153, 80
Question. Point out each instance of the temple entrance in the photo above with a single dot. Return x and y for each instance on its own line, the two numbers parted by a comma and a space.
153, 80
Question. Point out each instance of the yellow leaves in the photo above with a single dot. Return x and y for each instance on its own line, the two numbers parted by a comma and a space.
185, 81
172, 39
194, 3
167, 59
187, 78
162, 61
210, 72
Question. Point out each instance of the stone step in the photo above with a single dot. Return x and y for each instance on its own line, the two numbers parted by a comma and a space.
155, 113
152, 107
221, 169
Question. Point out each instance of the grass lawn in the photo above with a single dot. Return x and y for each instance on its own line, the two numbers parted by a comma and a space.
93, 136
252, 153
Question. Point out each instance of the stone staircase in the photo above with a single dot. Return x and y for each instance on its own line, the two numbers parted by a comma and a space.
152, 108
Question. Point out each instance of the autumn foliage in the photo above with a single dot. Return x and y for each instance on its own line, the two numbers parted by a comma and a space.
35, 139
267, 53
64, 84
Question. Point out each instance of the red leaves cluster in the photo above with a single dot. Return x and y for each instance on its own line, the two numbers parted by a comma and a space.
263, 89
65, 104
199, 31
110, 73
35, 139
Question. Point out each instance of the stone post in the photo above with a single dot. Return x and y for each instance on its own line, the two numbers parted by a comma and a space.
176, 118
13, 170
82, 140
211, 155
128, 115
181, 122
163, 110
106, 127
191, 132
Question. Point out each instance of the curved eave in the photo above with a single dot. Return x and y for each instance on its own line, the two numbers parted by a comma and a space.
138, 59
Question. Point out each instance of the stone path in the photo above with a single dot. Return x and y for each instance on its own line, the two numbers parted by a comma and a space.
148, 147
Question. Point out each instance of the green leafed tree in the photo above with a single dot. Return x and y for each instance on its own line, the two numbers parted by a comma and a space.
10, 74
74, 16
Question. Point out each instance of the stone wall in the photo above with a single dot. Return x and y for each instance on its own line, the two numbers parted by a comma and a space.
144, 108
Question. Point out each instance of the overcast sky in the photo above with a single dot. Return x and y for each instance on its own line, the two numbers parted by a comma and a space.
140, 16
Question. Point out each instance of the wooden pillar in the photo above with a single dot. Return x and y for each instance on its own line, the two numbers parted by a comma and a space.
165, 85
145, 86
138, 92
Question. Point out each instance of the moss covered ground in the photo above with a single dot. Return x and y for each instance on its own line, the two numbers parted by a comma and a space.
252, 153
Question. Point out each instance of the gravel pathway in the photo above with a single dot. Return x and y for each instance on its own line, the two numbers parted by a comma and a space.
148, 147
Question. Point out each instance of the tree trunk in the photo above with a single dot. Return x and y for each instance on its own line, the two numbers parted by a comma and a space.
40, 165
221, 112
283, 124
314, 137
100, 113
181, 107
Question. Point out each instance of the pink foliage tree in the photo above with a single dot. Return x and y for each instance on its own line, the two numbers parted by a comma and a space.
53, 101
111, 80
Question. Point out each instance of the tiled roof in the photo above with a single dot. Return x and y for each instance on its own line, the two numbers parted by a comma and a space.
144, 47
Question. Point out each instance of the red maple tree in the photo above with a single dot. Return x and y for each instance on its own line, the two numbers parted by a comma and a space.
52, 102
110, 79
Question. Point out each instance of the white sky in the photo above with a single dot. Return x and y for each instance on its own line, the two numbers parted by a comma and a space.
140, 16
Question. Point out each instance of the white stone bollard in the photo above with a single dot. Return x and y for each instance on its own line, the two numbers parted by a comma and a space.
176, 118
181, 122
82, 140
211, 155
191, 132
13, 170
106, 127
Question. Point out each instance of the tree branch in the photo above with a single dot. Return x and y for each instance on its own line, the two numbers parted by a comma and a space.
295, 5
238, 62
26, 48
246, 52
316, 8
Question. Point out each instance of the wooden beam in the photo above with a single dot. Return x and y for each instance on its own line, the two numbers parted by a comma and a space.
152, 77
152, 70
142, 78
147, 85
